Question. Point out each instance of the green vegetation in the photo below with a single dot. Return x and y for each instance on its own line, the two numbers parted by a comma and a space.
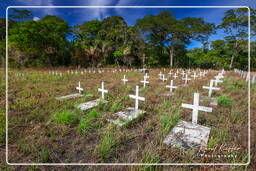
2, 128
66, 117
107, 145
86, 123
168, 121
225, 101
111, 41
150, 157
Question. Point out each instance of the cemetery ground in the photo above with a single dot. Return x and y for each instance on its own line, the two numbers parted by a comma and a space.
42, 129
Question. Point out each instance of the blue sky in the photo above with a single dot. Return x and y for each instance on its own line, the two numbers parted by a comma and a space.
79, 15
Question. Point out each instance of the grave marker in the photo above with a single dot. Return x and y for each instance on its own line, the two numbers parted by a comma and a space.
195, 107
171, 86
210, 88
186, 79
124, 80
144, 81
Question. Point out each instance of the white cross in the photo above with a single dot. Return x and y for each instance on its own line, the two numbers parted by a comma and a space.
195, 107
171, 86
194, 75
217, 80
147, 75
219, 75
175, 76
144, 81
210, 88
183, 73
186, 79
160, 75
124, 79
102, 90
201, 74
79, 88
163, 78
137, 98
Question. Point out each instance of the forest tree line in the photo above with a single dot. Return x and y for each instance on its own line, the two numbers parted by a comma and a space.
154, 41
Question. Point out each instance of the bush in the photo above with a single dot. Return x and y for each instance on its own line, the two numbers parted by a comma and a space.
225, 101
65, 117
168, 121
86, 124
107, 145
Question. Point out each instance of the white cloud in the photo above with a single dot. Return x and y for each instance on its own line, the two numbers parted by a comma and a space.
36, 18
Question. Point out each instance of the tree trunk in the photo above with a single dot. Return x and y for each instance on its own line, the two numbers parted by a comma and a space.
233, 55
171, 56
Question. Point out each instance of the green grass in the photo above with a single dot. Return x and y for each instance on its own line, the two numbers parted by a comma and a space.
45, 156
107, 145
168, 121
225, 101
2, 128
150, 157
66, 117
116, 106
86, 123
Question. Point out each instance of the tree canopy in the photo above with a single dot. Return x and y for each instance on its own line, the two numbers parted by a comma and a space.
153, 41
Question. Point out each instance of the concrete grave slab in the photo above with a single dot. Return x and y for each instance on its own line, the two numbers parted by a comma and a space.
187, 135
123, 117
91, 104
71, 96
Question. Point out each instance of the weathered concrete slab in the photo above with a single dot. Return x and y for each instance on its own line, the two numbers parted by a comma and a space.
90, 104
187, 135
123, 117
71, 96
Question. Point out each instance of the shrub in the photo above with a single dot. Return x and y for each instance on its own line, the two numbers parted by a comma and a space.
225, 101
169, 121
86, 124
107, 145
65, 117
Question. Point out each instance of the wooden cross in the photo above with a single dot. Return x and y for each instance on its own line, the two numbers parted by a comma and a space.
144, 81
175, 76
194, 75
171, 86
79, 88
210, 88
102, 90
124, 79
163, 78
137, 98
195, 107
160, 75
186, 79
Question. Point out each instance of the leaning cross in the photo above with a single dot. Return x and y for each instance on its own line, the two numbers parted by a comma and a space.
102, 90
137, 98
210, 88
195, 107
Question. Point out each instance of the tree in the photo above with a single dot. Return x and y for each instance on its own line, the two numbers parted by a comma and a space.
235, 24
41, 42
166, 31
